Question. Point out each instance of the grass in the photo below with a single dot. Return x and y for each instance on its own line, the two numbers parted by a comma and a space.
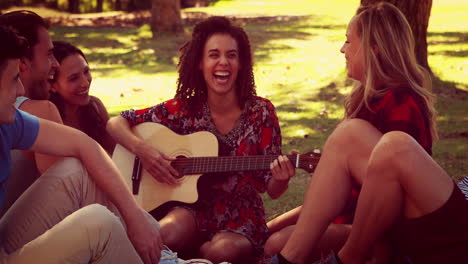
298, 66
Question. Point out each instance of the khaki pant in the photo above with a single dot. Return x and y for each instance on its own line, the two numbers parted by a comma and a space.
23, 174
64, 218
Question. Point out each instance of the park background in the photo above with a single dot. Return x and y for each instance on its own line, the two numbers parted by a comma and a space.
298, 66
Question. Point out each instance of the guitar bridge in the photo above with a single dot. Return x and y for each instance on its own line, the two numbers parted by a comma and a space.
136, 175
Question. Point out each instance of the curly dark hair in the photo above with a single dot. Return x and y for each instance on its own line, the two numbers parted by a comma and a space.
191, 86
89, 118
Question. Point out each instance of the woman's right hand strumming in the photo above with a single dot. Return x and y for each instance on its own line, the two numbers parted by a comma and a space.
157, 164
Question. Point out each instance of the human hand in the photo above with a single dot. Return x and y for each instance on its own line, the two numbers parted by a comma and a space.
157, 164
145, 237
282, 169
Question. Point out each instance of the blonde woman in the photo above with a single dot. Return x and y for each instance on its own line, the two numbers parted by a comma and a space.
382, 148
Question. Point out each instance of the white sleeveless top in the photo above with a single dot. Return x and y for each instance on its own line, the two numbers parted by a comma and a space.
20, 100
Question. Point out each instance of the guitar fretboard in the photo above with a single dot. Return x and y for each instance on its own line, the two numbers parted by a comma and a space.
200, 165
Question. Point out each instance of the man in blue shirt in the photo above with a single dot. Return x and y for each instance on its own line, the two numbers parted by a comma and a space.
57, 219
37, 66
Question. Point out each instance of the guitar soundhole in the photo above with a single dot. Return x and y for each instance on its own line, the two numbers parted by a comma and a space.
180, 164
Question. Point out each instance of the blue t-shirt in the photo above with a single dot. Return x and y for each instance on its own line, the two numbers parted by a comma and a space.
20, 134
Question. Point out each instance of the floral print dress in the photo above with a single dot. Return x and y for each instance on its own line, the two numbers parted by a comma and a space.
227, 201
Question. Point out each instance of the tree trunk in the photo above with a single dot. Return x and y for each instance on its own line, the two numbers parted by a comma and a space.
118, 5
131, 6
53, 4
4, 4
166, 17
99, 4
417, 12
38, 2
74, 6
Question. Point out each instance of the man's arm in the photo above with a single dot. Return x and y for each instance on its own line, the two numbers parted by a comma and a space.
46, 110
155, 162
121, 132
102, 170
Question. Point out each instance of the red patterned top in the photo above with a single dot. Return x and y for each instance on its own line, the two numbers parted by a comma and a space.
230, 201
397, 110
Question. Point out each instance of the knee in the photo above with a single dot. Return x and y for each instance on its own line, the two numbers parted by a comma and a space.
274, 244
392, 152
348, 132
97, 226
98, 215
169, 233
220, 250
98, 219
174, 234
398, 141
69, 163
392, 148
66, 168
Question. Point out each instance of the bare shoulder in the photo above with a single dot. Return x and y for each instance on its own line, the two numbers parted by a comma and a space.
100, 107
42, 108
98, 102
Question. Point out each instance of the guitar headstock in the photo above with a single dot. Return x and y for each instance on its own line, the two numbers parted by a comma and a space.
309, 161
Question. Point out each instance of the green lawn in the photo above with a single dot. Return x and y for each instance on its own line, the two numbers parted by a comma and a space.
298, 66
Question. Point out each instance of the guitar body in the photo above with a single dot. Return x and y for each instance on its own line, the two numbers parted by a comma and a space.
152, 193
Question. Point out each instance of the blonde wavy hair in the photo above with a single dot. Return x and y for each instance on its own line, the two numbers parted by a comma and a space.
393, 63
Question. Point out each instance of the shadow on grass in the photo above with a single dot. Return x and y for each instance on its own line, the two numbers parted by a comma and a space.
122, 47
448, 38
450, 89
451, 148
313, 121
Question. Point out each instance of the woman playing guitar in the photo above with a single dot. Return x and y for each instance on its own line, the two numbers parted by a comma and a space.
215, 93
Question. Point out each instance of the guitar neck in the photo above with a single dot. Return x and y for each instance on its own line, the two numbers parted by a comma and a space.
200, 165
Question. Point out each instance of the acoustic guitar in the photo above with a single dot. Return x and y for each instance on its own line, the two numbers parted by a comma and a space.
195, 155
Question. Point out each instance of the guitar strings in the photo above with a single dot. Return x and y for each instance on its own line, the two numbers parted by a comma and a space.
233, 163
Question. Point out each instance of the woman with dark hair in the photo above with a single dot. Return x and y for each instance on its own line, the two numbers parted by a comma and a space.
216, 93
70, 93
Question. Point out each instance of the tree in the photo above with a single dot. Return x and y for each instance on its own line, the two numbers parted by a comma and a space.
53, 4
134, 5
417, 12
74, 6
99, 4
118, 5
37, 2
7, 3
166, 17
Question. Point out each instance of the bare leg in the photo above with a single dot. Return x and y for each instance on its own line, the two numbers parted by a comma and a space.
277, 240
280, 229
402, 181
287, 219
227, 246
332, 240
344, 160
179, 229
